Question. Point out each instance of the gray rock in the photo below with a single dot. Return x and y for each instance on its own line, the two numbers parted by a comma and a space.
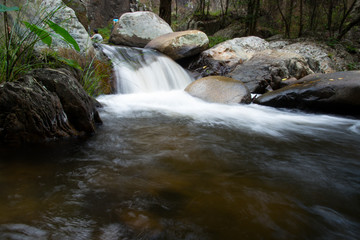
179, 45
316, 55
66, 18
138, 28
267, 69
337, 93
31, 11
219, 89
222, 58
234, 30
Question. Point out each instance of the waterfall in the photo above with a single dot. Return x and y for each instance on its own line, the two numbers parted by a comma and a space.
140, 70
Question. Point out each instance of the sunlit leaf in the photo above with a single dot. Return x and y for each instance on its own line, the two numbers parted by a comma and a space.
41, 33
71, 63
64, 34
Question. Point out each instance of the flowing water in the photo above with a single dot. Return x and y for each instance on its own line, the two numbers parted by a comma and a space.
168, 166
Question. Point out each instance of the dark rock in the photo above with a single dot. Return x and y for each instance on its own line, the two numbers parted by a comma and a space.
78, 106
48, 104
30, 113
219, 89
336, 93
268, 68
101, 12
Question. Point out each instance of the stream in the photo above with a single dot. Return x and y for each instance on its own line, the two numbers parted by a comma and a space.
165, 165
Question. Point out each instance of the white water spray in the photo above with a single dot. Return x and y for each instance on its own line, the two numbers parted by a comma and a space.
140, 70
151, 84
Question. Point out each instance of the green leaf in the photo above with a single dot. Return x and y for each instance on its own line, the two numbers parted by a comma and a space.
41, 33
4, 8
64, 34
70, 62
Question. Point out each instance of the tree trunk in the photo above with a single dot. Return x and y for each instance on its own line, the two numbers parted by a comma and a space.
330, 16
301, 21
355, 22
165, 10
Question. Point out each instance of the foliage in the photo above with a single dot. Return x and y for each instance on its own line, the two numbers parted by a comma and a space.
17, 54
353, 66
216, 40
93, 73
332, 42
106, 32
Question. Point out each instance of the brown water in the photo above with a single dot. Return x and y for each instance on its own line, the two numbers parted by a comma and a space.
183, 169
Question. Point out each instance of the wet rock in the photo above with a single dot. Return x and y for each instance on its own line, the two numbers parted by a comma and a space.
138, 28
30, 113
47, 104
179, 45
219, 89
337, 93
78, 106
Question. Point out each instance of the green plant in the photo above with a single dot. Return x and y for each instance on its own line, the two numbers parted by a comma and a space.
332, 42
106, 32
216, 40
92, 73
353, 66
350, 49
17, 55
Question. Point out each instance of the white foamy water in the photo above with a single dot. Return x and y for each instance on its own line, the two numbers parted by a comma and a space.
151, 84
252, 117
144, 70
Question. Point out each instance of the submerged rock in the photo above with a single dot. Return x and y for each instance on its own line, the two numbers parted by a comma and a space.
219, 89
48, 104
179, 45
337, 93
138, 28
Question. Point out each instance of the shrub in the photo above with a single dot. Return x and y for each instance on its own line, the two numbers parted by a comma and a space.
216, 40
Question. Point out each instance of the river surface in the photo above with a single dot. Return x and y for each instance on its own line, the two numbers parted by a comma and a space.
165, 165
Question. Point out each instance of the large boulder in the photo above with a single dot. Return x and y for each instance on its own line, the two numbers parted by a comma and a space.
221, 58
30, 113
80, 10
179, 45
67, 19
261, 64
48, 104
219, 89
266, 70
32, 11
78, 106
138, 28
337, 93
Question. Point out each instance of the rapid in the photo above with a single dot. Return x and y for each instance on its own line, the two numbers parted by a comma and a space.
165, 165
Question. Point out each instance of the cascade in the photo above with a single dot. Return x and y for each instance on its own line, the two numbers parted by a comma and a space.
140, 70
